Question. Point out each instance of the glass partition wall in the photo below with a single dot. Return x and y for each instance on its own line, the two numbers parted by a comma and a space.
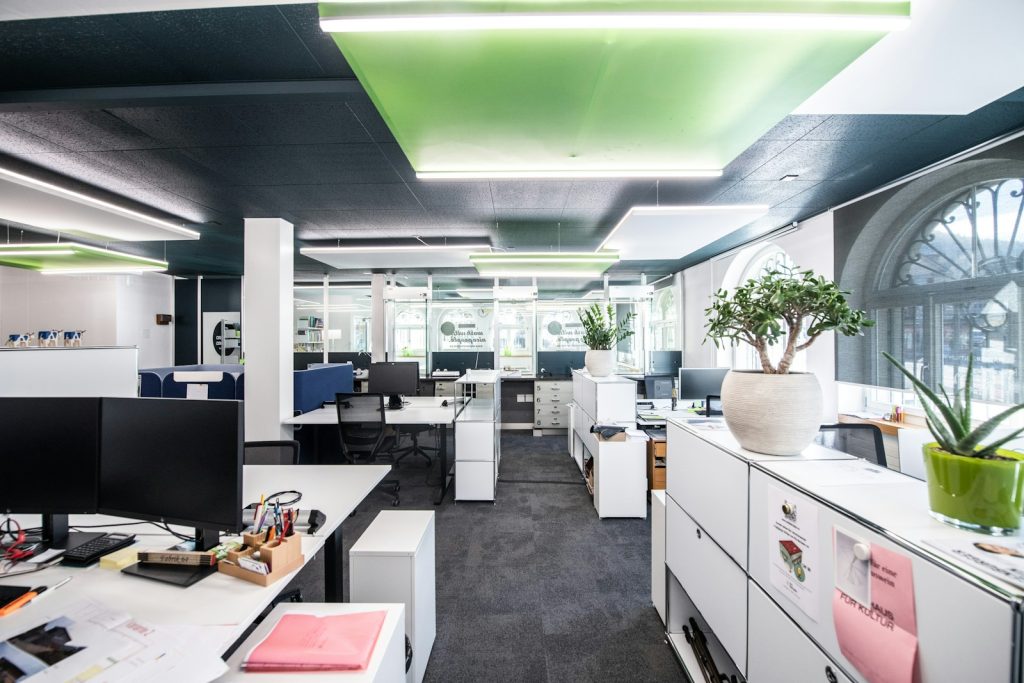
331, 318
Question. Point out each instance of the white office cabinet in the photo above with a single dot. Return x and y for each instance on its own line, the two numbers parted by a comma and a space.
939, 593
444, 388
620, 478
773, 633
715, 584
478, 436
606, 400
393, 561
711, 485
551, 398
658, 552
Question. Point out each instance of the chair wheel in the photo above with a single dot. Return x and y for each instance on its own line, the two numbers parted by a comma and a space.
398, 487
394, 503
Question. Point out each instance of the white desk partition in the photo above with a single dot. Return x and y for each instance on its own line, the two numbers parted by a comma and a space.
82, 371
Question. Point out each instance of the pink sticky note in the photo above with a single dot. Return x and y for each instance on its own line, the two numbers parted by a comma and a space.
881, 651
892, 587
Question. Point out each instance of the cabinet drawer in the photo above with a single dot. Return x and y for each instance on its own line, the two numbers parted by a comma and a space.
552, 386
561, 411
779, 652
717, 586
938, 593
711, 486
554, 422
444, 388
550, 399
474, 441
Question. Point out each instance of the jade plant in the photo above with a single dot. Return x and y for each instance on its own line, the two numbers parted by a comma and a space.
782, 302
949, 420
599, 332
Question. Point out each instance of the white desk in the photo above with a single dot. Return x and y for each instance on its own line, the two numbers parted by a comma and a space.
421, 410
387, 663
218, 600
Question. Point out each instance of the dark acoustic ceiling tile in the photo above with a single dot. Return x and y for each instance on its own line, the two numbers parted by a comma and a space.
81, 130
794, 127
14, 140
685, 191
369, 117
304, 19
469, 215
549, 216
752, 158
770, 192
85, 169
818, 159
340, 196
297, 164
453, 195
822, 196
596, 194
239, 202
175, 204
963, 132
158, 167
873, 127
182, 126
393, 153
301, 123
589, 219
394, 221
534, 194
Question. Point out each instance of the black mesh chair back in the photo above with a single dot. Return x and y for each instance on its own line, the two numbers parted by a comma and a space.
271, 453
361, 425
859, 440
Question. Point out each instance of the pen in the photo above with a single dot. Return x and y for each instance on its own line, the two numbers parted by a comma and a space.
23, 600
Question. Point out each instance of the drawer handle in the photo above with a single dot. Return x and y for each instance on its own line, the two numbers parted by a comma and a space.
830, 675
698, 533
787, 509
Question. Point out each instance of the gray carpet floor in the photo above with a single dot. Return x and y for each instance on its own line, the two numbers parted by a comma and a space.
535, 587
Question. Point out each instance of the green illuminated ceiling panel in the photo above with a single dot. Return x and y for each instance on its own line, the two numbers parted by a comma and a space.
544, 264
501, 100
70, 257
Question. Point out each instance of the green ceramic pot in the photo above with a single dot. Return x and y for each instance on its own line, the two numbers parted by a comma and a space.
973, 493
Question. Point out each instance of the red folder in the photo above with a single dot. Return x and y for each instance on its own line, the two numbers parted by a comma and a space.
305, 642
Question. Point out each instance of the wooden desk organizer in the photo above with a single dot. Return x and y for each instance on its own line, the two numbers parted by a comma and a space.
282, 555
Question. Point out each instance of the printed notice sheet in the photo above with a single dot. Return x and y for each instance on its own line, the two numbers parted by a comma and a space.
793, 549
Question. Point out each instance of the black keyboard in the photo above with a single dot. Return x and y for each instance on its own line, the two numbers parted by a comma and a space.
90, 551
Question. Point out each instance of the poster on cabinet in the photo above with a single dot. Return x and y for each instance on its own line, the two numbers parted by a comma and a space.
793, 550
213, 337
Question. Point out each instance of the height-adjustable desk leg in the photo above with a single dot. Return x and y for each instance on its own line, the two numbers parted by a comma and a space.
446, 476
334, 576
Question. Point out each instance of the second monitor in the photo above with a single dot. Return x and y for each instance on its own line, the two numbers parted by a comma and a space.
696, 384
395, 380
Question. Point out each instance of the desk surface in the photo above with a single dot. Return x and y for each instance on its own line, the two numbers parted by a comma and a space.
220, 601
421, 410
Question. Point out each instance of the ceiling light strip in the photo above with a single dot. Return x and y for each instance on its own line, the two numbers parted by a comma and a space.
392, 248
569, 174
93, 201
747, 21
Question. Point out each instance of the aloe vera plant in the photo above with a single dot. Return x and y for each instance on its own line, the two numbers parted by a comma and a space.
949, 421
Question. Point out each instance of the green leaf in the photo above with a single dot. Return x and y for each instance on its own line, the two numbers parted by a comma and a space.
990, 449
923, 390
972, 440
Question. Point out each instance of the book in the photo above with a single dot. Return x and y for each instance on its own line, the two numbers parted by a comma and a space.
307, 642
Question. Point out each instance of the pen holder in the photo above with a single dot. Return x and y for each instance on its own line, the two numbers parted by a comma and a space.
282, 556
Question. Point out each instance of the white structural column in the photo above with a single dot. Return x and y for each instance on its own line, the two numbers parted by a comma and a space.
267, 312
378, 313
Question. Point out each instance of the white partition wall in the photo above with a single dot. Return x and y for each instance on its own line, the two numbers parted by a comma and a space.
84, 371
267, 317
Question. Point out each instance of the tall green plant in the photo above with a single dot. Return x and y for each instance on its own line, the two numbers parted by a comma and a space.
949, 421
599, 332
781, 302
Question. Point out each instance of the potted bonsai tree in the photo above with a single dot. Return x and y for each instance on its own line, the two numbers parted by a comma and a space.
971, 484
773, 410
601, 335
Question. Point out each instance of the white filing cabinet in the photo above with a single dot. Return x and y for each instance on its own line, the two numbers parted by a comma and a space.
658, 552
551, 398
620, 478
393, 561
444, 388
478, 435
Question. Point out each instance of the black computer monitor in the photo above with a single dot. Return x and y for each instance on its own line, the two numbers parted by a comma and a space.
175, 461
559, 363
666, 362
658, 387
461, 361
395, 380
49, 461
696, 384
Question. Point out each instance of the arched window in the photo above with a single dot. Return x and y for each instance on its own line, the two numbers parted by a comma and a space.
948, 283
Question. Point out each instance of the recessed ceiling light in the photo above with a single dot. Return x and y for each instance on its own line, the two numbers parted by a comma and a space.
789, 177
507, 21
568, 174
406, 247
683, 209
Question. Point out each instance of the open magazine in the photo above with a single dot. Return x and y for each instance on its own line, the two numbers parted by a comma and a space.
1000, 558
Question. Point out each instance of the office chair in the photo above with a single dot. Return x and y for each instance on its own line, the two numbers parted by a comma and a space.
712, 405
362, 430
271, 453
414, 448
859, 440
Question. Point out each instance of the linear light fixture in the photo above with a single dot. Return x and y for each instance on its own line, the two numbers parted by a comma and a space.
569, 174
545, 264
404, 247
682, 210
73, 258
93, 201
114, 270
506, 21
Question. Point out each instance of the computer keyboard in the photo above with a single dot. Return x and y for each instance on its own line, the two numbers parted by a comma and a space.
91, 551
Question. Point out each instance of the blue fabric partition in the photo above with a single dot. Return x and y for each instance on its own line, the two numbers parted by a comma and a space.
225, 388
315, 386
240, 387
150, 384
148, 389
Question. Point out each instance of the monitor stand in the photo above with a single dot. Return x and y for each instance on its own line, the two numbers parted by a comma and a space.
394, 402
207, 539
57, 536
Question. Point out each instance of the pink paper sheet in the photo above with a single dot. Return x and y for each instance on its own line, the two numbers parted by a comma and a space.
308, 642
881, 651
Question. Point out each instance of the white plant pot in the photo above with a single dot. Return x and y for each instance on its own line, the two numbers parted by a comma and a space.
600, 363
772, 414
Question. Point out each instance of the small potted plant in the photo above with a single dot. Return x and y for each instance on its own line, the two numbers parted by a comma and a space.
601, 335
775, 411
971, 484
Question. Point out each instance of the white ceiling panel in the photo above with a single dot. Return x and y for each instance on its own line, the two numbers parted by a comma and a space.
654, 233
396, 258
23, 200
954, 57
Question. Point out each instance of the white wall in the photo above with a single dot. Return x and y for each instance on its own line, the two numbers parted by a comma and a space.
810, 247
114, 310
